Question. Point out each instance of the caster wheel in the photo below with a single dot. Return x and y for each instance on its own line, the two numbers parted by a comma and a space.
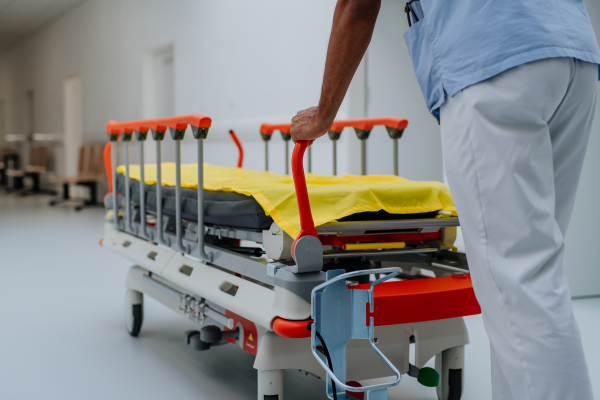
134, 312
52, 203
270, 385
78, 208
450, 364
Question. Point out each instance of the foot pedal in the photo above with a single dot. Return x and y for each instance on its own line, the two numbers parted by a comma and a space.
192, 338
340, 313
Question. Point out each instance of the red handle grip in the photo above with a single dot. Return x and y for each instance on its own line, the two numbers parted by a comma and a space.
307, 224
239, 146
159, 124
268, 129
367, 124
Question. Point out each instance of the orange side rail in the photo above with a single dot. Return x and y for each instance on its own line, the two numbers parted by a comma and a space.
365, 124
159, 124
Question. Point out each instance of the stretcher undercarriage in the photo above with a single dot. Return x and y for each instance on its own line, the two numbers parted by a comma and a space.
392, 280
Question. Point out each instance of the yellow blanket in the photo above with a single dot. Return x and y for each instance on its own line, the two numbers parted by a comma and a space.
331, 198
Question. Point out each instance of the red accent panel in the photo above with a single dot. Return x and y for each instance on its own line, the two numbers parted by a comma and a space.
268, 129
291, 329
101, 241
419, 300
240, 148
307, 224
159, 124
404, 302
250, 346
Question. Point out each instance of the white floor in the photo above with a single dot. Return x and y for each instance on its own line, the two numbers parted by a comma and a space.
62, 334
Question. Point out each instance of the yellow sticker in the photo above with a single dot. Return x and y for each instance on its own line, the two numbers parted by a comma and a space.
250, 338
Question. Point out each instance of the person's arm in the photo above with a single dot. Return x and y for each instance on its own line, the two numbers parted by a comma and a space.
353, 24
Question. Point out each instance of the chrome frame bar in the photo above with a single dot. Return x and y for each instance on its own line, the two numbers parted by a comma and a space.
128, 227
159, 220
201, 229
178, 220
144, 231
363, 156
395, 156
113, 150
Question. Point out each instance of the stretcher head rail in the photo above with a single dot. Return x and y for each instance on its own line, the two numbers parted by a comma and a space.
395, 127
177, 126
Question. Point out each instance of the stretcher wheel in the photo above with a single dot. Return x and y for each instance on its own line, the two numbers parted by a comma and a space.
450, 364
270, 385
134, 312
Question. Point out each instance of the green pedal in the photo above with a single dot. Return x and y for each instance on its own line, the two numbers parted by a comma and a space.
428, 377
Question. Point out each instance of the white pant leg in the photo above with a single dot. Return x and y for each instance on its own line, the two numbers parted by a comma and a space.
498, 155
570, 128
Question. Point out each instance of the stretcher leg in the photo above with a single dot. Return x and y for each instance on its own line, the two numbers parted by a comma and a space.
270, 385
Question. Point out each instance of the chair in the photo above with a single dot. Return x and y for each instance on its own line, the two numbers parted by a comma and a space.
9, 159
38, 157
90, 172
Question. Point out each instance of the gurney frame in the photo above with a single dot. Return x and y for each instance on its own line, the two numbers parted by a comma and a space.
268, 306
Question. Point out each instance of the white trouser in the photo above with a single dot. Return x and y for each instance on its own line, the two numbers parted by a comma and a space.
513, 151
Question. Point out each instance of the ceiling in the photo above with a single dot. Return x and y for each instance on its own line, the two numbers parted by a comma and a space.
20, 17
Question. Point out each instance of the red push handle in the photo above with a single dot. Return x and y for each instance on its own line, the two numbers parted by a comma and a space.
239, 146
307, 225
159, 124
268, 129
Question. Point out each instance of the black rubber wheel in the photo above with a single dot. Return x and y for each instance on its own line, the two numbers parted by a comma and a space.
136, 327
455, 384
272, 397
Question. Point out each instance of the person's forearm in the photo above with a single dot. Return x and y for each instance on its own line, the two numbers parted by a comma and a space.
353, 24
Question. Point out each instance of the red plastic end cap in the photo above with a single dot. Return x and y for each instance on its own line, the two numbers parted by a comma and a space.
291, 329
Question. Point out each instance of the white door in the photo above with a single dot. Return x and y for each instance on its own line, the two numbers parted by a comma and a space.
73, 124
159, 95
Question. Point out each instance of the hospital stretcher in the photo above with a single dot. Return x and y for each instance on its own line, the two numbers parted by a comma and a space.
294, 303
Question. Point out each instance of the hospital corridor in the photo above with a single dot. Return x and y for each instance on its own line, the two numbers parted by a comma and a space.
341, 199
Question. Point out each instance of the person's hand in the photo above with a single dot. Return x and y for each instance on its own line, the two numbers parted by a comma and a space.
307, 126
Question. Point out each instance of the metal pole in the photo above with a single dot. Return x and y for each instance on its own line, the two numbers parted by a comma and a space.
127, 187
310, 159
144, 230
266, 155
201, 248
159, 219
113, 150
363, 157
335, 157
178, 221
287, 158
396, 156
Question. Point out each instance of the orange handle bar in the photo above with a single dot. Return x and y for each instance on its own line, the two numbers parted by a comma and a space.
239, 146
268, 129
365, 124
158, 124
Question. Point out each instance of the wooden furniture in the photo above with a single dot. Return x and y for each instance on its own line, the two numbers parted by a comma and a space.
90, 172
9, 159
36, 167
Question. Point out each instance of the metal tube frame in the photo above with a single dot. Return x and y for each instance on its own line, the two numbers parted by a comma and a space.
159, 220
144, 231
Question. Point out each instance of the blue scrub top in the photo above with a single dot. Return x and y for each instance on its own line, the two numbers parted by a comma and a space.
458, 43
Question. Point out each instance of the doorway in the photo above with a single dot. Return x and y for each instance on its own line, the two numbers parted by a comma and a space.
73, 123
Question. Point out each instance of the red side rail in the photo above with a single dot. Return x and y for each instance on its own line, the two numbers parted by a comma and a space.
406, 302
365, 124
159, 124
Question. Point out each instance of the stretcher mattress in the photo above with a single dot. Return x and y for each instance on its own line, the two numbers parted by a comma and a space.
251, 199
